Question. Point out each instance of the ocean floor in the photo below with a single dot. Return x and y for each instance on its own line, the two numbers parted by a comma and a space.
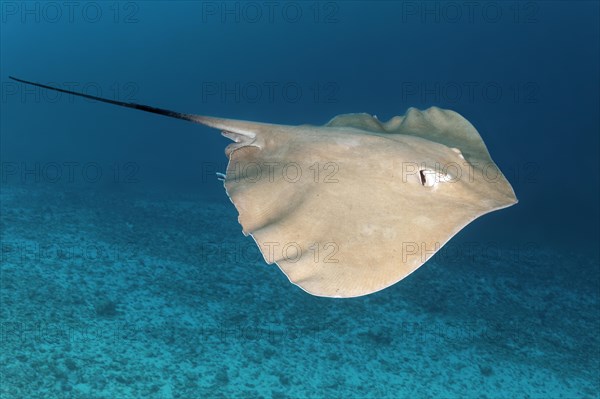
137, 295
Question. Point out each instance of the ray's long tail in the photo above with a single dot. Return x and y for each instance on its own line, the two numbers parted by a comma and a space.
243, 128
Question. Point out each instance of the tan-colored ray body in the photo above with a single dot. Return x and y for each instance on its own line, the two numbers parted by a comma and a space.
354, 206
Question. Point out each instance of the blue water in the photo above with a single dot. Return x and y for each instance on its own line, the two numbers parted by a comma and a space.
124, 270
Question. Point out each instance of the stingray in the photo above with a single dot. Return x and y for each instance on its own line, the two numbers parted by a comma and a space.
356, 205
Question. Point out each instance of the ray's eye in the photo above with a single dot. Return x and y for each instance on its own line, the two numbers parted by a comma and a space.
422, 177
430, 178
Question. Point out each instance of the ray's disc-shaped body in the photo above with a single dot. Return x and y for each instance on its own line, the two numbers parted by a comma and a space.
354, 206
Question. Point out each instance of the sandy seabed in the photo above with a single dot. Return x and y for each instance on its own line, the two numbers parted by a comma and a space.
136, 295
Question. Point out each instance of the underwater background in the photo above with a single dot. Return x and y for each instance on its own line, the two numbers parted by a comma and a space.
124, 271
